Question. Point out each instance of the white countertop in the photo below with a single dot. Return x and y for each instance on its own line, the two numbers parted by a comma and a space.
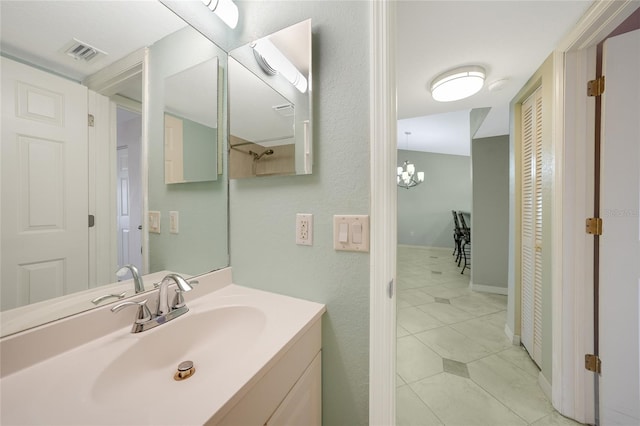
125, 378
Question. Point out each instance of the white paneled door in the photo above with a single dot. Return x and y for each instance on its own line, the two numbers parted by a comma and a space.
620, 241
44, 185
531, 229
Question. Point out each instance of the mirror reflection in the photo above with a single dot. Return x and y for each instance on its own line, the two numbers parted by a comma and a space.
60, 66
191, 124
270, 100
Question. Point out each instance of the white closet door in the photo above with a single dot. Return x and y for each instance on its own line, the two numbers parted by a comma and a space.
44, 185
531, 229
620, 241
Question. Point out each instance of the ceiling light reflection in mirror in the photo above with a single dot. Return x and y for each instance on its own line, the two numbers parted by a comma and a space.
270, 105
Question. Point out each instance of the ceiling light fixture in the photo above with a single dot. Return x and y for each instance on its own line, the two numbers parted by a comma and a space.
407, 176
458, 83
273, 61
225, 10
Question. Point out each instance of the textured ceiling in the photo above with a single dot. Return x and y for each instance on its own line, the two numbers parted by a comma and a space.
510, 39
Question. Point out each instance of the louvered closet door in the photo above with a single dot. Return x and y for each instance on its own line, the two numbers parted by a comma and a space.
531, 236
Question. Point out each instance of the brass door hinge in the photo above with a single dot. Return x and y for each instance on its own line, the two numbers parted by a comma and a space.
594, 226
595, 87
592, 363
91, 120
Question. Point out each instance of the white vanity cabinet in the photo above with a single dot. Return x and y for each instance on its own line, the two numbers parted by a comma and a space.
288, 391
257, 357
303, 404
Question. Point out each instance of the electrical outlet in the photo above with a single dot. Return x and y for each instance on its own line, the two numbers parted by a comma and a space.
304, 229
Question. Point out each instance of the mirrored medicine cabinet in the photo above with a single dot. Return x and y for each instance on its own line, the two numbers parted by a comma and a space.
270, 105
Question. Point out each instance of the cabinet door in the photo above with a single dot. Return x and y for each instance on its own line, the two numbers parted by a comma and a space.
303, 404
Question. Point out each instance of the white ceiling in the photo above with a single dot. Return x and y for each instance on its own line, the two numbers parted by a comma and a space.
510, 39
38, 31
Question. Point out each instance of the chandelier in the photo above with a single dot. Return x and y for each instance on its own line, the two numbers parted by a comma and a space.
407, 175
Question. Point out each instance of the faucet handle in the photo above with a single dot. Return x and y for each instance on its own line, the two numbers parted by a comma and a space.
178, 299
143, 314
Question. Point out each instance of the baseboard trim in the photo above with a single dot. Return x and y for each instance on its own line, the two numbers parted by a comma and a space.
426, 247
514, 338
545, 386
489, 289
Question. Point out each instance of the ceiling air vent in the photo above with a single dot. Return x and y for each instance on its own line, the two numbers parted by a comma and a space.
79, 50
286, 110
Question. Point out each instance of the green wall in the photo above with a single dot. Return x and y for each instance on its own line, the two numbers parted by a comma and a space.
424, 212
263, 210
490, 219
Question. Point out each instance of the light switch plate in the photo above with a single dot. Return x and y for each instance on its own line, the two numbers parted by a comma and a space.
154, 222
361, 233
173, 222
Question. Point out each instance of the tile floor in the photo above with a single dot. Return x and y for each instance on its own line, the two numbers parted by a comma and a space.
455, 366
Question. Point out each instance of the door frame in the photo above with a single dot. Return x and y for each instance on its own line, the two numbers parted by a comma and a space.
572, 385
383, 211
573, 390
107, 82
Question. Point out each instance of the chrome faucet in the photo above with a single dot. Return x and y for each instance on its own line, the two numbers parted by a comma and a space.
163, 297
146, 320
137, 279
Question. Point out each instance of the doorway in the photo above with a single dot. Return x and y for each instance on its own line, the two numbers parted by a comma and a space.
572, 385
129, 192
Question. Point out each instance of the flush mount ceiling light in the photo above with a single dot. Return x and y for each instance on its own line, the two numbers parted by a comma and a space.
225, 10
273, 61
458, 83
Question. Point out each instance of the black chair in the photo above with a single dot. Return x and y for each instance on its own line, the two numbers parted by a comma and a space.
465, 244
457, 237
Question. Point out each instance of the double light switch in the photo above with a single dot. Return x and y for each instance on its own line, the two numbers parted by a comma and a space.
351, 232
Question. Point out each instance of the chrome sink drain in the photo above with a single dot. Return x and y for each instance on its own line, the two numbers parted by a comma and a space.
185, 370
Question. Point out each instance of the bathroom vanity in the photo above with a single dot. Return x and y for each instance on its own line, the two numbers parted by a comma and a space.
256, 356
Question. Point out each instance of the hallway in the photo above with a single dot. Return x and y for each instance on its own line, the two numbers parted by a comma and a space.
455, 365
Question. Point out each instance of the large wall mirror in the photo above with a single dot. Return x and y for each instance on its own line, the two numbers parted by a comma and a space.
86, 87
191, 124
270, 100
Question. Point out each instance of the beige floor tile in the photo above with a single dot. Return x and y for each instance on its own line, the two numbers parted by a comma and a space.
415, 320
411, 411
399, 381
511, 386
413, 297
555, 419
415, 361
519, 357
445, 292
448, 343
497, 319
456, 284
477, 304
460, 402
401, 331
484, 332
424, 340
446, 312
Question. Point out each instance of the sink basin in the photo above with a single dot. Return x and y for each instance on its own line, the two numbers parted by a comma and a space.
212, 340
233, 335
